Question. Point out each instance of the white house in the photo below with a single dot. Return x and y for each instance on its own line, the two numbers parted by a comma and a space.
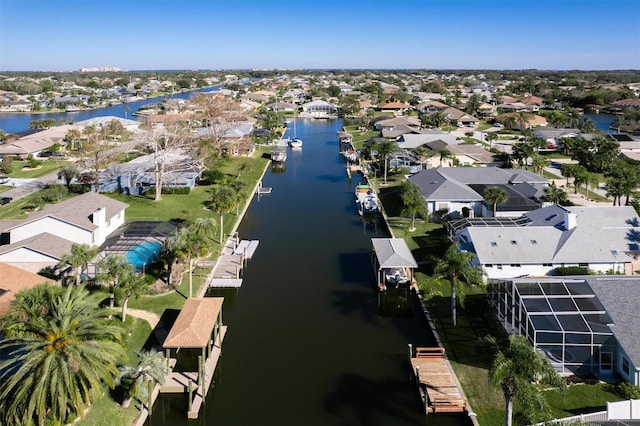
46, 235
602, 239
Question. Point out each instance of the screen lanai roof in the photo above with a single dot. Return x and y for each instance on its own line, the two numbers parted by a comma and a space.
195, 323
393, 253
563, 305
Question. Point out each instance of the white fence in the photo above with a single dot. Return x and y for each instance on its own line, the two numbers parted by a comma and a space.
621, 410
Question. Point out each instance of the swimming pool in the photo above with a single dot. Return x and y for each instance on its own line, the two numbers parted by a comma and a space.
143, 254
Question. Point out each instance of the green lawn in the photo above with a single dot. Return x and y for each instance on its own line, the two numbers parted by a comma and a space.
20, 169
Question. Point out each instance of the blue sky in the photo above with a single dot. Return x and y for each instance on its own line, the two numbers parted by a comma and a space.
64, 35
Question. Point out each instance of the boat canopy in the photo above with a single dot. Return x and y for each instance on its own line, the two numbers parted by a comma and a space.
393, 253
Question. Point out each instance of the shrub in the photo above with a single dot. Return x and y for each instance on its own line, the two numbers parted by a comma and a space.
6, 165
182, 190
572, 270
627, 390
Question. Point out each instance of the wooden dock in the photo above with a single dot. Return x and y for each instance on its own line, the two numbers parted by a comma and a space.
436, 382
184, 381
246, 248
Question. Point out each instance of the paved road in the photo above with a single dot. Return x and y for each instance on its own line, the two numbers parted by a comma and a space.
23, 187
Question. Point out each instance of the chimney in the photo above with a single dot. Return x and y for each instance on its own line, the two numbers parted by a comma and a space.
99, 216
569, 220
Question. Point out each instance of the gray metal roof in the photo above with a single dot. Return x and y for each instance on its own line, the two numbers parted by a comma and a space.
393, 253
434, 186
620, 295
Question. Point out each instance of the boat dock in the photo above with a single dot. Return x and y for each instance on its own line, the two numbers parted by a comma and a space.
226, 273
435, 381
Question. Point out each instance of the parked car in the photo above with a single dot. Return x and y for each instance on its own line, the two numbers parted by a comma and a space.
4, 179
5, 200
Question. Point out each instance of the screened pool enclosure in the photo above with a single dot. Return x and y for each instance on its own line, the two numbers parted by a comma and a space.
563, 318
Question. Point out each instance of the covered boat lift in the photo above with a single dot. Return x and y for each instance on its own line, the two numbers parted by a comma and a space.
392, 262
199, 329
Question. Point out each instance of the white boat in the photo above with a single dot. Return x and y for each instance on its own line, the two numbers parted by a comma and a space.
366, 200
295, 143
278, 155
396, 276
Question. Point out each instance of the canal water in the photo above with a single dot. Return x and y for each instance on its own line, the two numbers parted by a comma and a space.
306, 342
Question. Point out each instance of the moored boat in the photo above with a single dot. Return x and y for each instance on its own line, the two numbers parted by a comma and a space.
295, 143
366, 200
278, 155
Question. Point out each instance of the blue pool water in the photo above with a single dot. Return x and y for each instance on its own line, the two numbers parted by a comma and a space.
143, 254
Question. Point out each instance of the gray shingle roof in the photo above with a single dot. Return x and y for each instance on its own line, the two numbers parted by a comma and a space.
620, 295
45, 244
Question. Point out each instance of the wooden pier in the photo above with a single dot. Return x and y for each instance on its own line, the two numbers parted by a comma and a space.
436, 381
227, 269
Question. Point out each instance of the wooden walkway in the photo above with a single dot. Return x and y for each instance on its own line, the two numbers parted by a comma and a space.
435, 381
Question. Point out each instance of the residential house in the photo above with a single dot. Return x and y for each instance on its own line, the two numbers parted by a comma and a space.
41, 239
34, 143
532, 120
553, 136
461, 154
460, 118
13, 280
458, 190
318, 109
583, 324
391, 123
396, 107
602, 239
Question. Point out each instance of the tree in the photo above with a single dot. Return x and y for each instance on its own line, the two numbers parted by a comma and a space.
113, 270
555, 195
73, 136
509, 122
456, 267
515, 368
623, 179
173, 151
218, 115
539, 162
521, 152
384, 148
79, 257
131, 285
187, 244
413, 202
64, 354
223, 200
68, 173
151, 368
495, 195
491, 137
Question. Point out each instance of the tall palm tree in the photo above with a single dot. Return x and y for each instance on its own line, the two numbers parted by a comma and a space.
223, 200
188, 244
385, 148
491, 137
539, 162
59, 362
112, 270
444, 154
413, 202
79, 257
132, 285
495, 195
515, 368
456, 266
151, 368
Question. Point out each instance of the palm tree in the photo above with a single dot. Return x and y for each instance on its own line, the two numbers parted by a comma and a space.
223, 200
539, 162
515, 368
413, 202
495, 195
456, 267
509, 122
444, 154
59, 362
205, 227
591, 180
68, 173
80, 255
112, 270
188, 244
131, 285
385, 148
491, 136
151, 368
555, 195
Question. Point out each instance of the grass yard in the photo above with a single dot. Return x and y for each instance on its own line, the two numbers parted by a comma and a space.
21, 171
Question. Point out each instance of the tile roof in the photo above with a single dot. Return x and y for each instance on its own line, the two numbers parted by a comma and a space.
13, 280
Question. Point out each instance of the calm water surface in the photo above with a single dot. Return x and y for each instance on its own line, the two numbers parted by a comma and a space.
306, 344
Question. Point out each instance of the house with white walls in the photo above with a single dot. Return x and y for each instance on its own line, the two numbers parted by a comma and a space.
604, 239
41, 239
